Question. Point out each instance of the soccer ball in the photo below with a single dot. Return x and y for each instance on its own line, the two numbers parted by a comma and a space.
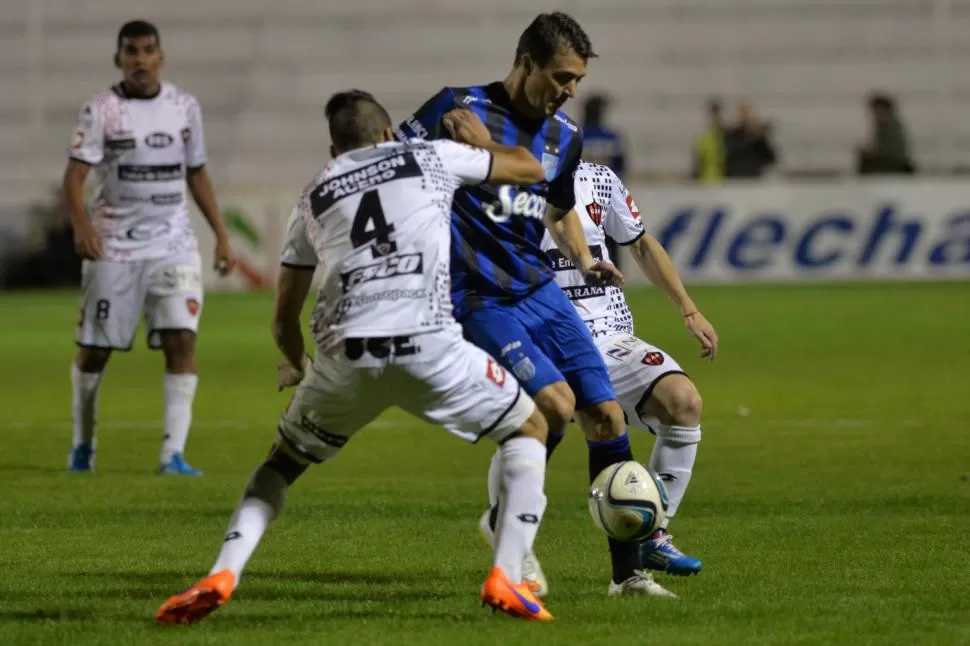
628, 501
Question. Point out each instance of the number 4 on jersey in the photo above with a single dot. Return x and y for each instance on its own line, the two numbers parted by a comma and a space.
370, 226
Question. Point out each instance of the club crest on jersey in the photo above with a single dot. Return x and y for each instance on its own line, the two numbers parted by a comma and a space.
192, 305
512, 201
550, 162
595, 212
652, 359
632, 206
495, 373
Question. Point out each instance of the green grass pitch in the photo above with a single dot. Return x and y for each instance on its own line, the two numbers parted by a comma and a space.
833, 513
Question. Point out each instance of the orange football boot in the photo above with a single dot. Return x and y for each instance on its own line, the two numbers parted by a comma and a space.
196, 603
515, 599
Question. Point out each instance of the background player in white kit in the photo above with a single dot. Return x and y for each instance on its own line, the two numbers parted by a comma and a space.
376, 222
654, 392
145, 142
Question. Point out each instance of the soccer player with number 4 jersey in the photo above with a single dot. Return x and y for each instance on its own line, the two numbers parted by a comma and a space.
376, 224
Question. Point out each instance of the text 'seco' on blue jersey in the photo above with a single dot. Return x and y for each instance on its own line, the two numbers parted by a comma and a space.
496, 252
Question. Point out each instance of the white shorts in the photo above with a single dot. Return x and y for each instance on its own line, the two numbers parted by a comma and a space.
437, 376
635, 367
114, 295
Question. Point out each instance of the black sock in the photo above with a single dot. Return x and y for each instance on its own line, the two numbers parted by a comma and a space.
552, 441
625, 556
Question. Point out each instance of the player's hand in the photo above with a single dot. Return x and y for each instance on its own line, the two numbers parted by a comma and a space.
704, 332
603, 273
225, 260
287, 376
87, 243
465, 127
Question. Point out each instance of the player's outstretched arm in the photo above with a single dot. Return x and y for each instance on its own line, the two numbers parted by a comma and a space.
293, 287
660, 270
510, 164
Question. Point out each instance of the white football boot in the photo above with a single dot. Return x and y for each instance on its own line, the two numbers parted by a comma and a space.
640, 584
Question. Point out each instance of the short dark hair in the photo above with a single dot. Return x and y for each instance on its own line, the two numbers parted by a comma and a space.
881, 101
356, 119
137, 29
548, 33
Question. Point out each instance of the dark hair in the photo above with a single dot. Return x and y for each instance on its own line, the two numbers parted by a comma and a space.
881, 101
137, 29
547, 34
714, 105
356, 119
594, 110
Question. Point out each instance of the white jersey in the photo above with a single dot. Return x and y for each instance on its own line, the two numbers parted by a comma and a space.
140, 150
605, 208
377, 221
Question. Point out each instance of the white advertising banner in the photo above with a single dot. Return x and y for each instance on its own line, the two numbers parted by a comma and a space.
883, 230
900, 229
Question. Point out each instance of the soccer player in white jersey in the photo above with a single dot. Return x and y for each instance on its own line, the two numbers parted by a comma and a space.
655, 393
144, 142
376, 223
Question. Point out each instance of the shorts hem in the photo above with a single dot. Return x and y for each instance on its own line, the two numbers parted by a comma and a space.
114, 348
291, 445
158, 330
501, 417
653, 384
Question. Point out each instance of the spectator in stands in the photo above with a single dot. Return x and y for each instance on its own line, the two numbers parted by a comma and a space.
887, 152
603, 145
748, 148
708, 154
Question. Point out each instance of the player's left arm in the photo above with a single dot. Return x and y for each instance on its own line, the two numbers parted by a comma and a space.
623, 224
200, 186
298, 261
566, 230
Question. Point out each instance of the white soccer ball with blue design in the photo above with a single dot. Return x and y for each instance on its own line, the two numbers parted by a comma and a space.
628, 501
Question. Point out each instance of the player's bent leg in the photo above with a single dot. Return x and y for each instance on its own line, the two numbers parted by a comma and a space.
516, 582
179, 386
86, 372
673, 412
605, 431
261, 503
554, 404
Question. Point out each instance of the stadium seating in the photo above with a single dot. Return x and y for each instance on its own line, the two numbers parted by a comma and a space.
264, 69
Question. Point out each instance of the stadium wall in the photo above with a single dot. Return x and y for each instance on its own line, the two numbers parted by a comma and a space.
741, 233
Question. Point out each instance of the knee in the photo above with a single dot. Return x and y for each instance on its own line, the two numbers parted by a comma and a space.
602, 422
179, 348
557, 404
535, 427
685, 406
92, 360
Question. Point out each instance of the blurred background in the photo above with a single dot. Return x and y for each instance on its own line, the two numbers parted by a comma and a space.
763, 139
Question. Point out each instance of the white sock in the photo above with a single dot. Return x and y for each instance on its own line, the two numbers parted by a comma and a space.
674, 452
179, 395
521, 503
84, 404
495, 478
261, 503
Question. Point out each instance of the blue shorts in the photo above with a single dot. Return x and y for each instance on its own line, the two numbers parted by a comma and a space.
542, 340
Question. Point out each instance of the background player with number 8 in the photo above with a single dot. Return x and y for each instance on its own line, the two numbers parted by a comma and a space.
145, 143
